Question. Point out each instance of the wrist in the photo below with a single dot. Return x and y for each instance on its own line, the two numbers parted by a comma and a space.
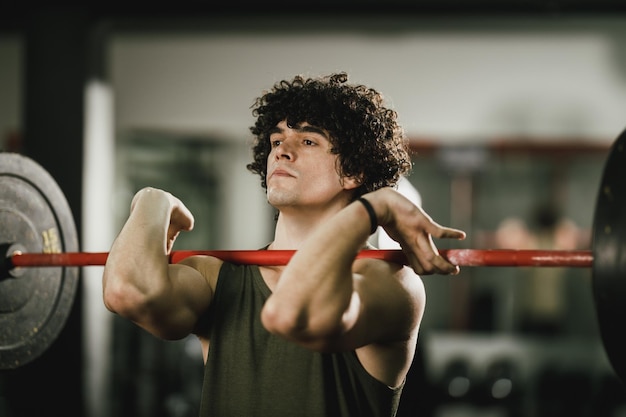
380, 203
371, 213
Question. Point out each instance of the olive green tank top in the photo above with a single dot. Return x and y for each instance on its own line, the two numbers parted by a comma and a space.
250, 372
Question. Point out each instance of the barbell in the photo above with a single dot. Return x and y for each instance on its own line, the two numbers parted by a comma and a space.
39, 272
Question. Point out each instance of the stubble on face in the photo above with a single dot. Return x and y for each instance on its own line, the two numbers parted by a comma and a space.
305, 171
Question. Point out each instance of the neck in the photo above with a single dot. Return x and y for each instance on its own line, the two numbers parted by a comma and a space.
295, 225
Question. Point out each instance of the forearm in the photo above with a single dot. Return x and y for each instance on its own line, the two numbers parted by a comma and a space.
315, 296
137, 265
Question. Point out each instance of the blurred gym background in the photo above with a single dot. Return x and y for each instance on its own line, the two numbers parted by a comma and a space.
511, 108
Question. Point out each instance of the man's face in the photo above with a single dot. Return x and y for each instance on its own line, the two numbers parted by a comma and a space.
301, 170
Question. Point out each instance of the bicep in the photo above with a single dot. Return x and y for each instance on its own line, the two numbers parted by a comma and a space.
190, 295
392, 301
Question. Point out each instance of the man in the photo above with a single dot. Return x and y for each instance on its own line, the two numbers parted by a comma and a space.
327, 334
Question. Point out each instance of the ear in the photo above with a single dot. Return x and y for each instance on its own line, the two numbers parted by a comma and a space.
350, 183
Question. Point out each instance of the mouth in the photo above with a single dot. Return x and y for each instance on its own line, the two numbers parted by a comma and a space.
279, 172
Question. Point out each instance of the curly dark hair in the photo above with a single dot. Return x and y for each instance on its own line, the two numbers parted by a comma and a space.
363, 132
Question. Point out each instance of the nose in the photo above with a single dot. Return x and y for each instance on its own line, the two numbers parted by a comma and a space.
284, 151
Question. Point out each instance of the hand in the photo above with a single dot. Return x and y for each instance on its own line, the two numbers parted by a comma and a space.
414, 230
179, 216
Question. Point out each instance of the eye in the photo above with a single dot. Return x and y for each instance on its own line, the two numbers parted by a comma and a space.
308, 142
275, 140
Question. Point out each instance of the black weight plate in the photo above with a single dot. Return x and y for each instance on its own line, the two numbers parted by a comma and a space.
609, 256
35, 304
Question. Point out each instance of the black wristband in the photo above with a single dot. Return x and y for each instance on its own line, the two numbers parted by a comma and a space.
372, 214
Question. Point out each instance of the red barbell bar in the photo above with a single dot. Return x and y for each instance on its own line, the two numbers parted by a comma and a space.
461, 257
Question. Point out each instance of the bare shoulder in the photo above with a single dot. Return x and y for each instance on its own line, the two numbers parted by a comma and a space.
208, 266
378, 272
393, 291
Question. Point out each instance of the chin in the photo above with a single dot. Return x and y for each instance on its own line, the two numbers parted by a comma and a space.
278, 197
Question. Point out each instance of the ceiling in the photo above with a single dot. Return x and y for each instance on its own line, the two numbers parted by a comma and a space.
16, 16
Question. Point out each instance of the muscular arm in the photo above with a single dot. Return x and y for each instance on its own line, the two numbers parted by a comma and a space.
326, 300
138, 281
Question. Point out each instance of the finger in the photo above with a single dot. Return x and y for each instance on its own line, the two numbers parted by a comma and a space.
186, 224
423, 255
415, 264
443, 266
172, 233
182, 218
430, 259
441, 232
